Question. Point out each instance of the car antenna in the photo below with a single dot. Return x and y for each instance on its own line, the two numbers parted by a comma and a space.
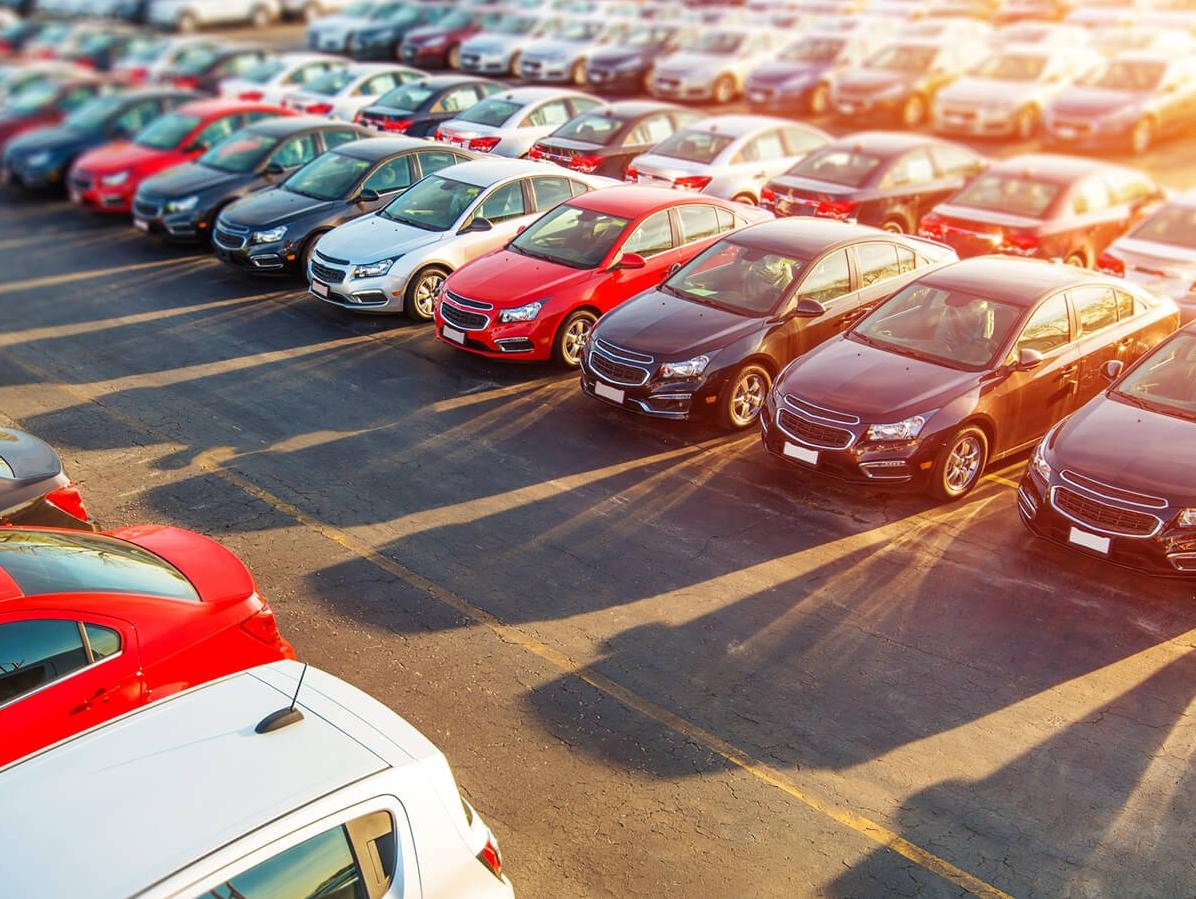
283, 717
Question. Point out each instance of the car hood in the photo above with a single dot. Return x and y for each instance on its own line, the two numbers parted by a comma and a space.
276, 207
191, 178
872, 383
985, 91
495, 43
672, 328
686, 62
1093, 101
554, 49
373, 237
617, 56
1128, 447
508, 279
119, 155
872, 81
774, 73
55, 138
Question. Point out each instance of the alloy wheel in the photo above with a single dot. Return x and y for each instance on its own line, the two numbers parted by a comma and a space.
747, 399
573, 340
963, 465
820, 99
422, 293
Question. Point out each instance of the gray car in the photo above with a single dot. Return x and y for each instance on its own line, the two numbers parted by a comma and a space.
1160, 254
497, 50
714, 64
34, 490
562, 57
509, 123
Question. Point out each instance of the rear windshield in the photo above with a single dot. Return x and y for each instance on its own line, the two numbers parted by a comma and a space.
1175, 225
593, 127
46, 562
837, 165
693, 146
261, 72
491, 112
409, 96
1008, 193
166, 132
331, 82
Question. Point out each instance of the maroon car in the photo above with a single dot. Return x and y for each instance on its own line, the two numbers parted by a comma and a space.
438, 46
1117, 480
1051, 207
968, 364
45, 103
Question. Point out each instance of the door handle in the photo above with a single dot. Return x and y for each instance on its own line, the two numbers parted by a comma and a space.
101, 695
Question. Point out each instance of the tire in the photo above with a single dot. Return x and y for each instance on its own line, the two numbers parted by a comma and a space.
742, 397
515, 59
895, 225
820, 99
453, 57
1079, 259
419, 300
913, 111
188, 24
744, 197
578, 73
1026, 123
305, 256
723, 90
960, 465
260, 17
570, 338
1142, 137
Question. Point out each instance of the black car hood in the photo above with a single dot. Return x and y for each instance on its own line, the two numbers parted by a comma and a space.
615, 56
58, 137
192, 178
276, 207
870, 82
672, 328
780, 72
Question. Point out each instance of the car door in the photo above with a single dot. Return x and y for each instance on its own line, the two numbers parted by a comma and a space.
760, 159
1092, 224
507, 207
390, 178
655, 240
1099, 336
295, 152
910, 187
828, 281
882, 268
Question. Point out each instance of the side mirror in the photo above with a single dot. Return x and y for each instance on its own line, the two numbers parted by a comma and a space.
1112, 369
631, 260
520, 230
368, 195
478, 224
275, 168
1028, 359
808, 308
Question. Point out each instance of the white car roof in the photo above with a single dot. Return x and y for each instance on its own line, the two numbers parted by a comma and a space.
484, 172
527, 95
739, 125
184, 776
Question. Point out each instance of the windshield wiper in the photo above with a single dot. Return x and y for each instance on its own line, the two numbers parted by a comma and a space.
414, 224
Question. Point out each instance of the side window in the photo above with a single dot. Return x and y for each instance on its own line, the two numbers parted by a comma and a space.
654, 235
955, 162
650, 131
1090, 196
1048, 328
104, 641
307, 73
378, 85
798, 141
38, 652
391, 176
552, 113
1096, 308
1126, 188
1125, 305
698, 221
877, 262
435, 160
72, 100
217, 131
505, 203
726, 221
336, 138
134, 118
238, 65
584, 104
296, 151
765, 148
828, 280
256, 116
578, 187
907, 260
550, 191
912, 168
455, 101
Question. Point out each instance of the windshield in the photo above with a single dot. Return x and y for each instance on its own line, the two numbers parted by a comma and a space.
693, 146
814, 49
167, 132
409, 96
327, 177
951, 328
592, 127
197, 60
143, 49
580, 31
33, 97
434, 204
644, 36
903, 58
514, 25
837, 165
1128, 75
263, 71
94, 113
491, 111
736, 277
460, 18
1174, 225
579, 238
719, 43
1011, 67
1010, 194
331, 82
239, 153
1165, 380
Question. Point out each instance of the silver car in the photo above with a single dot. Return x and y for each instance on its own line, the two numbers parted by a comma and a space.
730, 156
714, 64
396, 259
341, 93
188, 15
508, 124
330, 34
496, 51
562, 56
1160, 254
274, 79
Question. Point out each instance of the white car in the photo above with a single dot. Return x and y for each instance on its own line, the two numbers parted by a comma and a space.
496, 51
714, 64
731, 156
397, 259
561, 56
310, 10
345, 799
1160, 253
343, 92
188, 15
509, 123
330, 33
278, 77
156, 59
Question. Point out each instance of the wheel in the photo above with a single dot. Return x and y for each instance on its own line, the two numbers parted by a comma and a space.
515, 57
913, 111
743, 397
312, 11
960, 464
187, 22
571, 338
894, 226
578, 73
820, 98
1142, 136
454, 57
260, 17
744, 197
305, 256
1025, 123
1079, 259
420, 300
724, 89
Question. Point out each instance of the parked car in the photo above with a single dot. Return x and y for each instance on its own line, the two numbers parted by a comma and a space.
388, 25
496, 50
276, 230
397, 259
799, 79
342, 93
438, 45
204, 66
34, 489
967, 365
15, 35
92, 626
99, 48
1160, 253
561, 57
1006, 94
1054, 207
1133, 101
626, 68
181, 204
1144, 39
330, 33
509, 123
539, 297
710, 340
106, 178
189, 15
881, 178
713, 64
310, 10
418, 108
1115, 480
16, 77
41, 158
158, 57
273, 79
364, 805
730, 156
1042, 32
45, 103
604, 141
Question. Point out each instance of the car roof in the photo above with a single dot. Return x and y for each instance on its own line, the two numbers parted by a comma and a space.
883, 143
486, 171
629, 108
441, 82
1012, 279
1053, 167
525, 95
186, 775
280, 126
375, 148
360, 69
635, 200
739, 125
214, 106
804, 237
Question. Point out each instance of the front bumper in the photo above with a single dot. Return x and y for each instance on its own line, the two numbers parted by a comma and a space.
675, 400
521, 341
435, 55
233, 248
87, 191
549, 71
853, 107
617, 80
1085, 135
30, 177
151, 217
486, 64
328, 281
777, 95
975, 122
672, 88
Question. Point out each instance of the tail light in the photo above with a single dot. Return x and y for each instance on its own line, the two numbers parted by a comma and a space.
67, 499
1111, 265
138, 74
399, 126
251, 95
692, 182
536, 152
439, 135
186, 82
768, 196
931, 226
319, 108
483, 144
263, 626
632, 174
1020, 244
837, 209
491, 857
587, 165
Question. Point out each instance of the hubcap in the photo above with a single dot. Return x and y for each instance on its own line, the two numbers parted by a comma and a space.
913, 111
893, 227
575, 340
748, 398
426, 292
818, 100
962, 465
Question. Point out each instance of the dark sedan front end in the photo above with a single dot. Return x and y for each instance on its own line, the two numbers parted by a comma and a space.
34, 166
272, 249
619, 71
636, 382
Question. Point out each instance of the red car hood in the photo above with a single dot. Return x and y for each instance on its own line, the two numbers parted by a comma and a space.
12, 125
216, 573
120, 155
508, 279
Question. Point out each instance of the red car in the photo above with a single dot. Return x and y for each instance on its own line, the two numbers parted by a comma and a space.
45, 103
94, 625
105, 179
538, 297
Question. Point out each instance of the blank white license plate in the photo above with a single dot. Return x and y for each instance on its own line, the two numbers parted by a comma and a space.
454, 335
319, 288
1094, 542
141, 224
76, 197
1066, 131
847, 108
609, 393
757, 97
800, 453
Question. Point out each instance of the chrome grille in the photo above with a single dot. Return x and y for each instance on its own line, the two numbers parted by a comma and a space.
618, 365
228, 240
463, 319
813, 410
1108, 491
813, 433
1103, 517
145, 209
326, 274
467, 303
623, 353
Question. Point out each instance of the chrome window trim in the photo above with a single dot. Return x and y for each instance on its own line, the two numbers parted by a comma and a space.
58, 680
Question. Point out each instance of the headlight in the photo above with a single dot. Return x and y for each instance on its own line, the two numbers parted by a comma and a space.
37, 160
115, 180
690, 368
1038, 464
373, 269
521, 313
269, 236
1186, 518
898, 430
184, 205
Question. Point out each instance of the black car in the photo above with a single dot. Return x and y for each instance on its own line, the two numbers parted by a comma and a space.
800, 77
627, 67
882, 178
274, 230
41, 158
182, 203
388, 25
417, 107
204, 69
712, 338
100, 48
603, 141
15, 35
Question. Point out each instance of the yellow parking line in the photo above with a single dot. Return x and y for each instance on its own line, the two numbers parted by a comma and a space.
211, 461
72, 277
